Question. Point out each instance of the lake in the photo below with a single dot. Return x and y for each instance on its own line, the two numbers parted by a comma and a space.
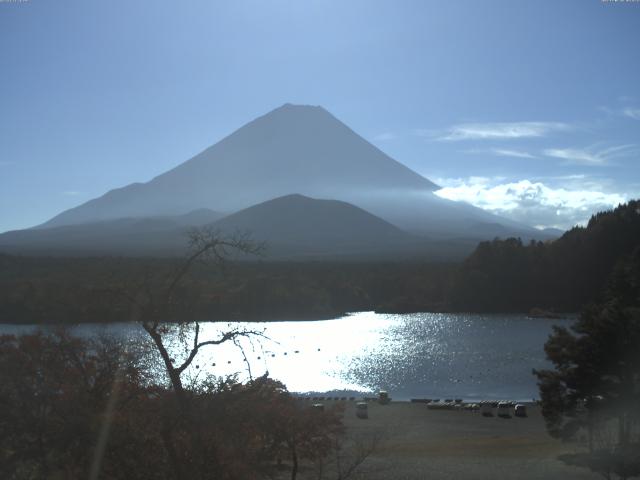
432, 355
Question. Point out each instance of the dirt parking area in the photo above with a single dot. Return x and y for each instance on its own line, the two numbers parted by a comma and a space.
414, 442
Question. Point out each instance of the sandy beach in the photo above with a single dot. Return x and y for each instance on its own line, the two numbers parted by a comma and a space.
418, 443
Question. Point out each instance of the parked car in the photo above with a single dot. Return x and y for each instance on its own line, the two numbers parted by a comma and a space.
520, 410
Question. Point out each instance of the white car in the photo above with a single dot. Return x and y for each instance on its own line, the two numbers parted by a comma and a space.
520, 410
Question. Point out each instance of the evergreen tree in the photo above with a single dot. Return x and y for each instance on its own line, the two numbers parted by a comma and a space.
595, 384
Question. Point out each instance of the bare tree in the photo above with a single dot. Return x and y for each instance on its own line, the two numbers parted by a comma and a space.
162, 310
347, 456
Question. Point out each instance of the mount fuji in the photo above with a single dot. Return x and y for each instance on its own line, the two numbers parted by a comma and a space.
294, 149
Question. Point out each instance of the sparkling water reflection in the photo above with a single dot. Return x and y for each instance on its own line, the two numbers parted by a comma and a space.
410, 355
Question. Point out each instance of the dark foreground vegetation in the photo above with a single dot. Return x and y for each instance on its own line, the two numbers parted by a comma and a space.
74, 408
100, 408
563, 275
500, 276
594, 388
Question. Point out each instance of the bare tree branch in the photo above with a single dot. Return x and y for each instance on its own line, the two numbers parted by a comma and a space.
226, 336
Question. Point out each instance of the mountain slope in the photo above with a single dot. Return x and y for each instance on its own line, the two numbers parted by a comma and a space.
132, 236
295, 223
291, 149
291, 227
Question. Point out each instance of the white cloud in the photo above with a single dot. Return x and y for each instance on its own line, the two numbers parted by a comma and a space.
386, 136
72, 193
502, 152
512, 153
632, 113
500, 130
590, 156
533, 203
628, 111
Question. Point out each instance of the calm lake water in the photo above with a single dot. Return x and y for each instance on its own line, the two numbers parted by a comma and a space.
410, 355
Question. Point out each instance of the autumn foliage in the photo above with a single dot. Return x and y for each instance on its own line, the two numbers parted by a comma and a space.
72, 407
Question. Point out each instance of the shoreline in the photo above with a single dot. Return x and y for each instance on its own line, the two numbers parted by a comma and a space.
417, 443
303, 318
325, 358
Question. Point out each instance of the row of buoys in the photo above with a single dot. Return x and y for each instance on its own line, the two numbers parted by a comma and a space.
214, 364
327, 399
285, 353
435, 400
257, 358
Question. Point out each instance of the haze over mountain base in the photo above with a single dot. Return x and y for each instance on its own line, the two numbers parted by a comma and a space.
364, 203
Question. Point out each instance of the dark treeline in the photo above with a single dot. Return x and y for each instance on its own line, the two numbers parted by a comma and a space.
500, 276
593, 389
106, 407
72, 290
563, 275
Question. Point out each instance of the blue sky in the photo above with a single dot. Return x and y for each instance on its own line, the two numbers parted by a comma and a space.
529, 109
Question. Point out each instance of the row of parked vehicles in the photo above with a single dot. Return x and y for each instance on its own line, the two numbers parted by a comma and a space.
486, 408
503, 409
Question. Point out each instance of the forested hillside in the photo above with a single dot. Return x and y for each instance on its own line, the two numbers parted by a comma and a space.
500, 276
70, 290
563, 275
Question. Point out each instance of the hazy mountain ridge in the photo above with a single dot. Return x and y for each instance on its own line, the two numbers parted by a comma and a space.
296, 225
137, 236
292, 227
293, 148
